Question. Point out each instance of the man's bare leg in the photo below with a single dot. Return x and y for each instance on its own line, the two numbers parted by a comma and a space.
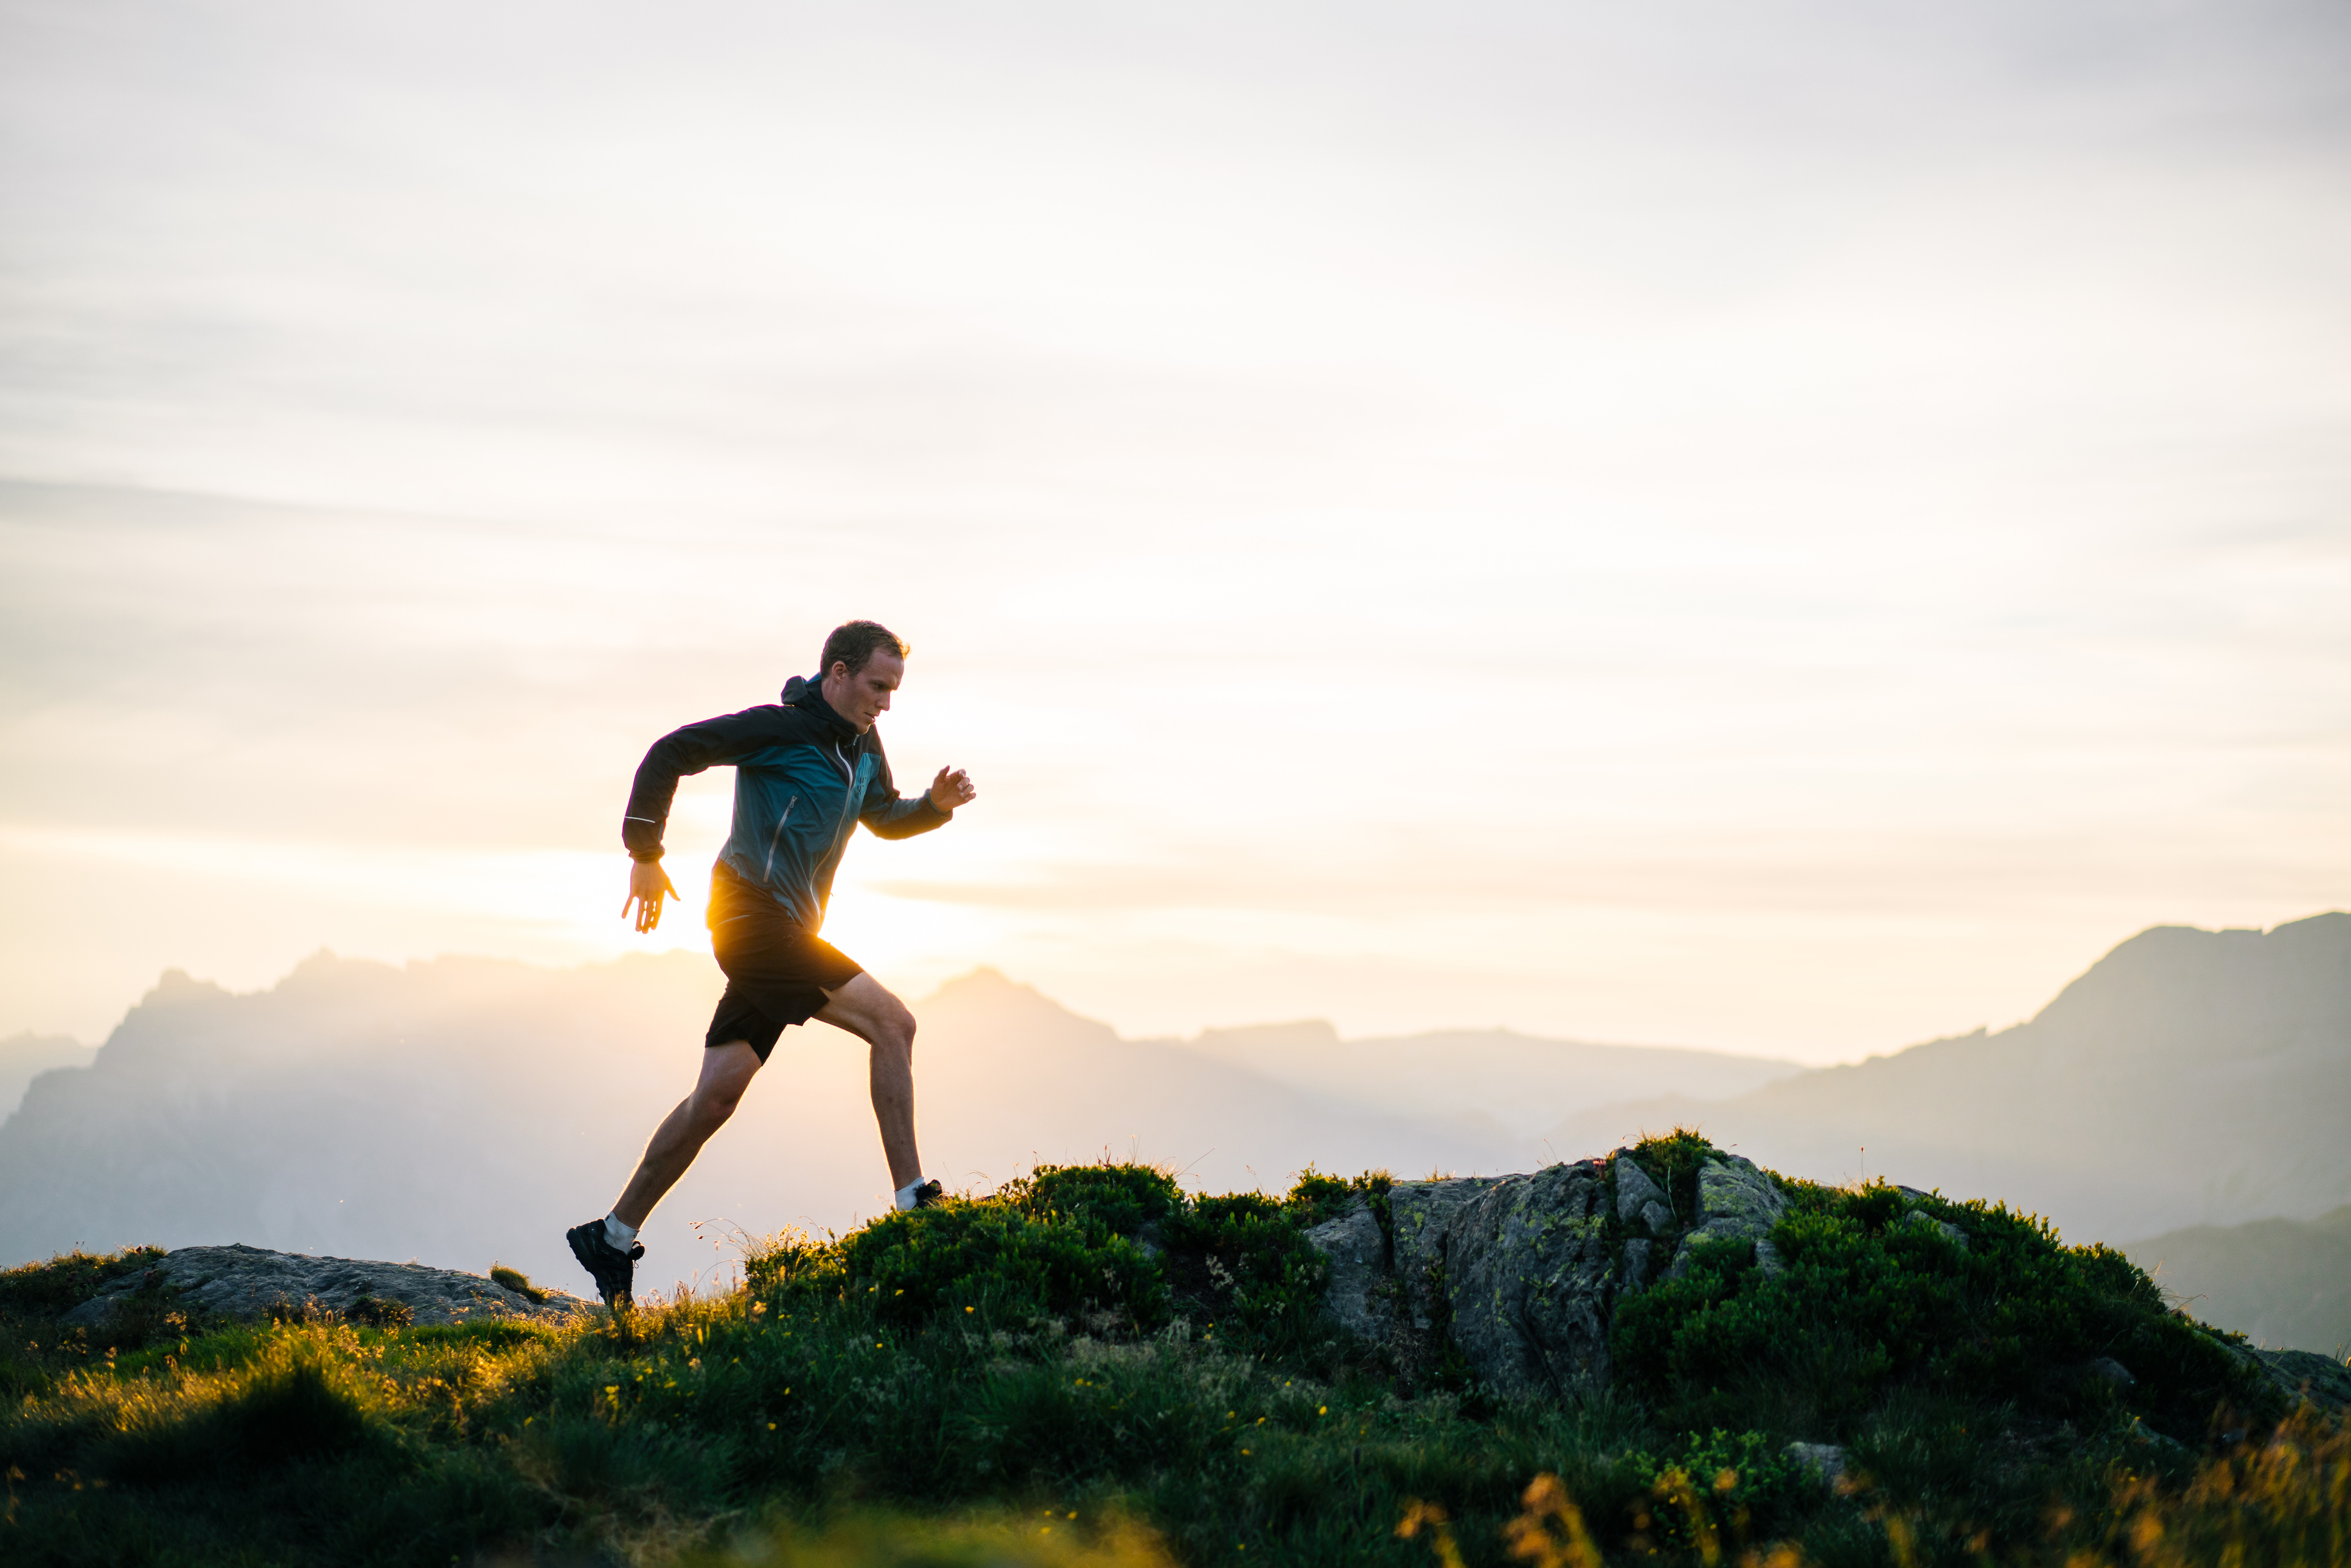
871, 1013
726, 1072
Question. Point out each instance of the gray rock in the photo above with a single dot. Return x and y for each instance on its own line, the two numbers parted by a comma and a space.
1736, 1202
2105, 1369
2304, 1375
1824, 1461
1358, 1257
1768, 1258
1531, 1277
1638, 1197
1657, 1218
246, 1281
1736, 1199
1635, 1275
1418, 1214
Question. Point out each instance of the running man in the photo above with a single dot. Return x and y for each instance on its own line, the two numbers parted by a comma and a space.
807, 771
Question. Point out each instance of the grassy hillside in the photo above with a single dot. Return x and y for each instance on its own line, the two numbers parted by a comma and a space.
2276, 1282
1092, 1366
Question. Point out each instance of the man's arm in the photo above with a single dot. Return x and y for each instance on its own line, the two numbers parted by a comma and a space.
712, 743
709, 744
893, 817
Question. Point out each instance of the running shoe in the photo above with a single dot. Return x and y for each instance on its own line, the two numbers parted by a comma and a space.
930, 1195
614, 1271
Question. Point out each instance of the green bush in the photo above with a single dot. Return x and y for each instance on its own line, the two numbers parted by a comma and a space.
1872, 1296
1266, 1277
1000, 1261
1125, 1199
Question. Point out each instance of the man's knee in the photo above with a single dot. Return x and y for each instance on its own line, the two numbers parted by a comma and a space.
712, 1104
890, 1020
716, 1101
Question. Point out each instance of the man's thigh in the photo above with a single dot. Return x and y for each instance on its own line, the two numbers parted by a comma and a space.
865, 1009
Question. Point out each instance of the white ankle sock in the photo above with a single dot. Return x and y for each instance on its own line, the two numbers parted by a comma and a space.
905, 1199
619, 1233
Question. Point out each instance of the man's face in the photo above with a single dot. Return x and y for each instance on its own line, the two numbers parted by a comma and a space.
865, 697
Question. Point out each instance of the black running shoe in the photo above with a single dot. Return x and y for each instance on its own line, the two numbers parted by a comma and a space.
930, 1195
614, 1271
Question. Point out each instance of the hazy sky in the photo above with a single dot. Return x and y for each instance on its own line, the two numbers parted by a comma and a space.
1789, 528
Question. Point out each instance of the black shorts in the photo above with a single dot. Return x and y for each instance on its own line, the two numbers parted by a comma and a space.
778, 971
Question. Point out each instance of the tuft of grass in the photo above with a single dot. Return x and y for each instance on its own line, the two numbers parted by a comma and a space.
1671, 1160
517, 1281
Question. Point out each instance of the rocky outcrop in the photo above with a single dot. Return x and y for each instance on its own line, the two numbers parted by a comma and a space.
2302, 1375
1421, 1214
1358, 1260
1736, 1202
250, 1281
1640, 1201
1531, 1277
1521, 1274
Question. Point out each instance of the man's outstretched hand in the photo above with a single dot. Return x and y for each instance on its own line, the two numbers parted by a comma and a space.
953, 787
647, 884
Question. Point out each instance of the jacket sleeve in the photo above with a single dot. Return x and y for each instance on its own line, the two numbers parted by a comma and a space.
888, 815
712, 743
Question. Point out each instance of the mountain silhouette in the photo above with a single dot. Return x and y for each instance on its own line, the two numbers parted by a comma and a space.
2189, 1077
461, 1110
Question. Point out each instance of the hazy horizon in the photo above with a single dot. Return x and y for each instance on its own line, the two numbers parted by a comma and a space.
1784, 531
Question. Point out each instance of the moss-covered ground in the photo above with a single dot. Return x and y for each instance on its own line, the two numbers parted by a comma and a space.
1093, 1368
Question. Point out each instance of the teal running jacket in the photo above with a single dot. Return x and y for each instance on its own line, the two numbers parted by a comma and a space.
803, 779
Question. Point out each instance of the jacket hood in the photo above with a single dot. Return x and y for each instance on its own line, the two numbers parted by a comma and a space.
803, 692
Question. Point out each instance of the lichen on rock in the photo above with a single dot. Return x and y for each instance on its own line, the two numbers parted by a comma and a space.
1530, 1276
1357, 1255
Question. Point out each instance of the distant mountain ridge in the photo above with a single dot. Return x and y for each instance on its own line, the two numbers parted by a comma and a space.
27, 1056
462, 1110
2280, 1282
465, 1110
2186, 1077
1525, 1082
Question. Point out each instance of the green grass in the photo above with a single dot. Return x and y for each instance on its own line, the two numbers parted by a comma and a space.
1093, 1368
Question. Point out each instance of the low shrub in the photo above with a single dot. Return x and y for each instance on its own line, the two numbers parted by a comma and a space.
1868, 1301
1126, 1199
1000, 1261
1265, 1279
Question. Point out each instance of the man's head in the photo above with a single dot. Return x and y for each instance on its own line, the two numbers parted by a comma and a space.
863, 663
